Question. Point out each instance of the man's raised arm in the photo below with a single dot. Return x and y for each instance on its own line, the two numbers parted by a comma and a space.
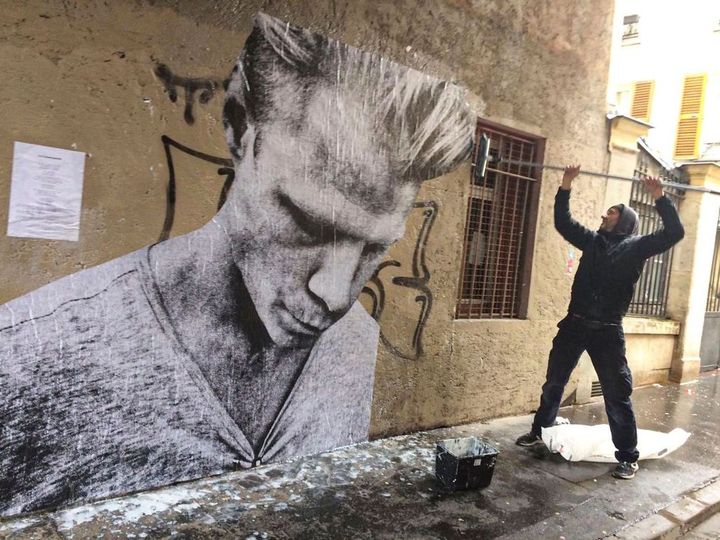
672, 230
570, 229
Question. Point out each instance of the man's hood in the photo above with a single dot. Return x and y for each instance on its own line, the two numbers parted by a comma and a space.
628, 222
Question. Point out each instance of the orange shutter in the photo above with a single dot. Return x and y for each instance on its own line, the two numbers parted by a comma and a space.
688, 133
642, 99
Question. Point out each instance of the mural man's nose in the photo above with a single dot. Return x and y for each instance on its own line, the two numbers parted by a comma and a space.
333, 280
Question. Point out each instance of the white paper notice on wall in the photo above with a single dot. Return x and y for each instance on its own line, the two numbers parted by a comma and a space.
46, 192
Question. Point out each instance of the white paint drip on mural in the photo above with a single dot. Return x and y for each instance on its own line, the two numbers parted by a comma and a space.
131, 509
186, 500
17, 526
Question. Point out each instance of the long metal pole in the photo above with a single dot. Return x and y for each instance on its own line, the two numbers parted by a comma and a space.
603, 175
483, 159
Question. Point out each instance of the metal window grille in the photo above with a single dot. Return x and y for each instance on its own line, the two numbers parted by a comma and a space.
651, 291
713, 299
498, 230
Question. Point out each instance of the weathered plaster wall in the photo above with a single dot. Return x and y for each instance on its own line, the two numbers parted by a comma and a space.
691, 268
81, 76
650, 345
541, 70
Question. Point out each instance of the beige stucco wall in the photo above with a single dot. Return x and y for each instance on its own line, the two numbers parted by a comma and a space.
650, 345
553, 83
692, 265
81, 76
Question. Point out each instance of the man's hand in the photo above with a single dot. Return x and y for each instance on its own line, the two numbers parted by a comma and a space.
571, 172
653, 185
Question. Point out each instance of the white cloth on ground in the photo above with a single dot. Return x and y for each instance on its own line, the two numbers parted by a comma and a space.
577, 442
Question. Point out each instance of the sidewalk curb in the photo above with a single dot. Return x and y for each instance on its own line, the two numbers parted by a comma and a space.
677, 518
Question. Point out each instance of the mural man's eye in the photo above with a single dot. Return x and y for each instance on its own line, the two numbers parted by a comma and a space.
309, 228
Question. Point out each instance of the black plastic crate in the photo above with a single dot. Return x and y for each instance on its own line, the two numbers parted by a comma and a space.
464, 463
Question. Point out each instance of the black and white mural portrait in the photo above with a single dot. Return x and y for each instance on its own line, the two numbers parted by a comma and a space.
242, 342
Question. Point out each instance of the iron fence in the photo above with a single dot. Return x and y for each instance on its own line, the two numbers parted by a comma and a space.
713, 298
651, 291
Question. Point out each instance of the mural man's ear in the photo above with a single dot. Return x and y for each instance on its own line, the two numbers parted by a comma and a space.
235, 121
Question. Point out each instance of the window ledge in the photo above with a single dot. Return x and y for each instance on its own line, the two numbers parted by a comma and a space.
642, 325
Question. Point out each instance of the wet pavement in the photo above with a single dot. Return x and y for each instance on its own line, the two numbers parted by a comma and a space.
386, 488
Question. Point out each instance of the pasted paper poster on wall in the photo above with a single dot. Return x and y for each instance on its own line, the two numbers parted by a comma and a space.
46, 192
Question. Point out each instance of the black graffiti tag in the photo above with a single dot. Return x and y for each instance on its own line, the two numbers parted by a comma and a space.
206, 87
226, 169
418, 281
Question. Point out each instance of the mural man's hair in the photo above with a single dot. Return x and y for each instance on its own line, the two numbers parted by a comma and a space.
424, 122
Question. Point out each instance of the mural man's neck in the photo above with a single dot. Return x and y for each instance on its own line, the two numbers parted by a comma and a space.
202, 288
209, 307
206, 299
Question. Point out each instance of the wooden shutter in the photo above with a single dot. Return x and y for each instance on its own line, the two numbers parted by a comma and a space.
688, 133
642, 99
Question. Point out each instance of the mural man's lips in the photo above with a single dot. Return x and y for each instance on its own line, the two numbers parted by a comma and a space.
295, 324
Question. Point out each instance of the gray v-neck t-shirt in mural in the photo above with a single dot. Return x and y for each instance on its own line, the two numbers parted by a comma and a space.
98, 398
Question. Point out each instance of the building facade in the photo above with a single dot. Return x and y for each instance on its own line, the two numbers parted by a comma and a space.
664, 71
468, 300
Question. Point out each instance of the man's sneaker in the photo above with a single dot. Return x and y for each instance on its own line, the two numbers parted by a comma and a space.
625, 470
529, 439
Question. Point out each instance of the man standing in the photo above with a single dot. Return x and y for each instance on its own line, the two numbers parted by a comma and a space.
612, 261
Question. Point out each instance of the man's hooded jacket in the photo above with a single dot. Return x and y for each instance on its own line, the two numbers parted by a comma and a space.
612, 261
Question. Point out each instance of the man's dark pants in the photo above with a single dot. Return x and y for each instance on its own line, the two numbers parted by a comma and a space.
606, 346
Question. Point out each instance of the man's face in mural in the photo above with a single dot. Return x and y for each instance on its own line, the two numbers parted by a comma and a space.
316, 208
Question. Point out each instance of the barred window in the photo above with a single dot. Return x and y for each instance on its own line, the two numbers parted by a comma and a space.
651, 291
499, 229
